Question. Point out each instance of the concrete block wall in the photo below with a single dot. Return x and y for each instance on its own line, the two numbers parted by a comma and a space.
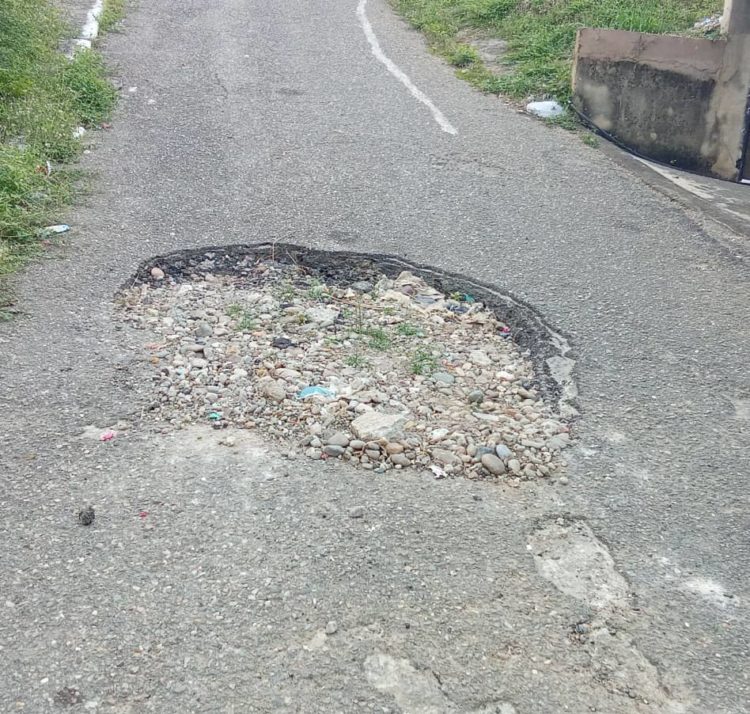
679, 100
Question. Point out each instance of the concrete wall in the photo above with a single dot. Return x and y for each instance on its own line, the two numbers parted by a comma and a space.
673, 99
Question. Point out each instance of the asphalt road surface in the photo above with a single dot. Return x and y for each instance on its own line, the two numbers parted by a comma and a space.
246, 121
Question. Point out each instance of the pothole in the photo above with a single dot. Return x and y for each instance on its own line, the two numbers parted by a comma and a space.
366, 359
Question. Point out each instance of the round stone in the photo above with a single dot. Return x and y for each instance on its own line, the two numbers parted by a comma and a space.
475, 396
493, 464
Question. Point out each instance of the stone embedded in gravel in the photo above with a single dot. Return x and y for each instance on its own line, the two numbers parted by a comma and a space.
333, 450
515, 466
559, 441
157, 273
503, 452
374, 425
445, 457
357, 512
203, 329
332, 628
362, 286
443, 378
400, 460
475, 396
273, 390
493, 464
282, 343
338, 439
480, 358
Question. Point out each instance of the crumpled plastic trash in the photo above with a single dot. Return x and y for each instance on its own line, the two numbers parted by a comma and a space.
214, 416
60, 228
546, 110
311, 391
107, 435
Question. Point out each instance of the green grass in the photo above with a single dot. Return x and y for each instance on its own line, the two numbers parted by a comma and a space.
113, 12
423, 362
43, 97
355, 361
540, 34
406, 329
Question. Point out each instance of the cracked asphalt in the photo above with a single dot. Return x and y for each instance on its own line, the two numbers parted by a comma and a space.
245, 121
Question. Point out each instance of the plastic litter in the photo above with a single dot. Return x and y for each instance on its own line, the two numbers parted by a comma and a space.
215, 416
546, 110
311, 391
107, 435
78, 132
438, 471
59, 228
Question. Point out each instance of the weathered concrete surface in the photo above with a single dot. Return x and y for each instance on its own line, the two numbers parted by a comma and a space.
677, 100
257, 121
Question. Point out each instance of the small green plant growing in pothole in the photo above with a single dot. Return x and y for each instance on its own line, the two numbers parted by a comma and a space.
379, 339
355, 361
286, 291
244, 318
423, 362
317, 291
406, 329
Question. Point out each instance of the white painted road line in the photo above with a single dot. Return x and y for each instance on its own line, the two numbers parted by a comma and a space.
417, 93
91, 28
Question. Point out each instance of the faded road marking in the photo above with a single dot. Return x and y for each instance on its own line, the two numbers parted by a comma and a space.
418, 94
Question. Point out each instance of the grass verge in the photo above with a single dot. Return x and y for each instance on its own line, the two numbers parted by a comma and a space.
112, 13
540, 35
44, 96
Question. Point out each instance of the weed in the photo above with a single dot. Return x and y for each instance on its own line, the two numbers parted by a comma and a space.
462, 55
423, 362
244, 318
113, 12
407, 329
590, 140
379, 339
317, 290
245, 323
565, 121
287, 292
43, 98
355, 361
95, 96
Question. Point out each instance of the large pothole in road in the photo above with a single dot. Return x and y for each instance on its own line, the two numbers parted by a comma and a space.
365, 359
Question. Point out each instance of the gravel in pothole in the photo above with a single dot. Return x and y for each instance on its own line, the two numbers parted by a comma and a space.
382, 373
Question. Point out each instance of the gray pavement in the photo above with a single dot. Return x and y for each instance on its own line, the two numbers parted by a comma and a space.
251, 121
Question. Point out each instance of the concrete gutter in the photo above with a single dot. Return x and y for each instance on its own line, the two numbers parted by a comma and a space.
724, 202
